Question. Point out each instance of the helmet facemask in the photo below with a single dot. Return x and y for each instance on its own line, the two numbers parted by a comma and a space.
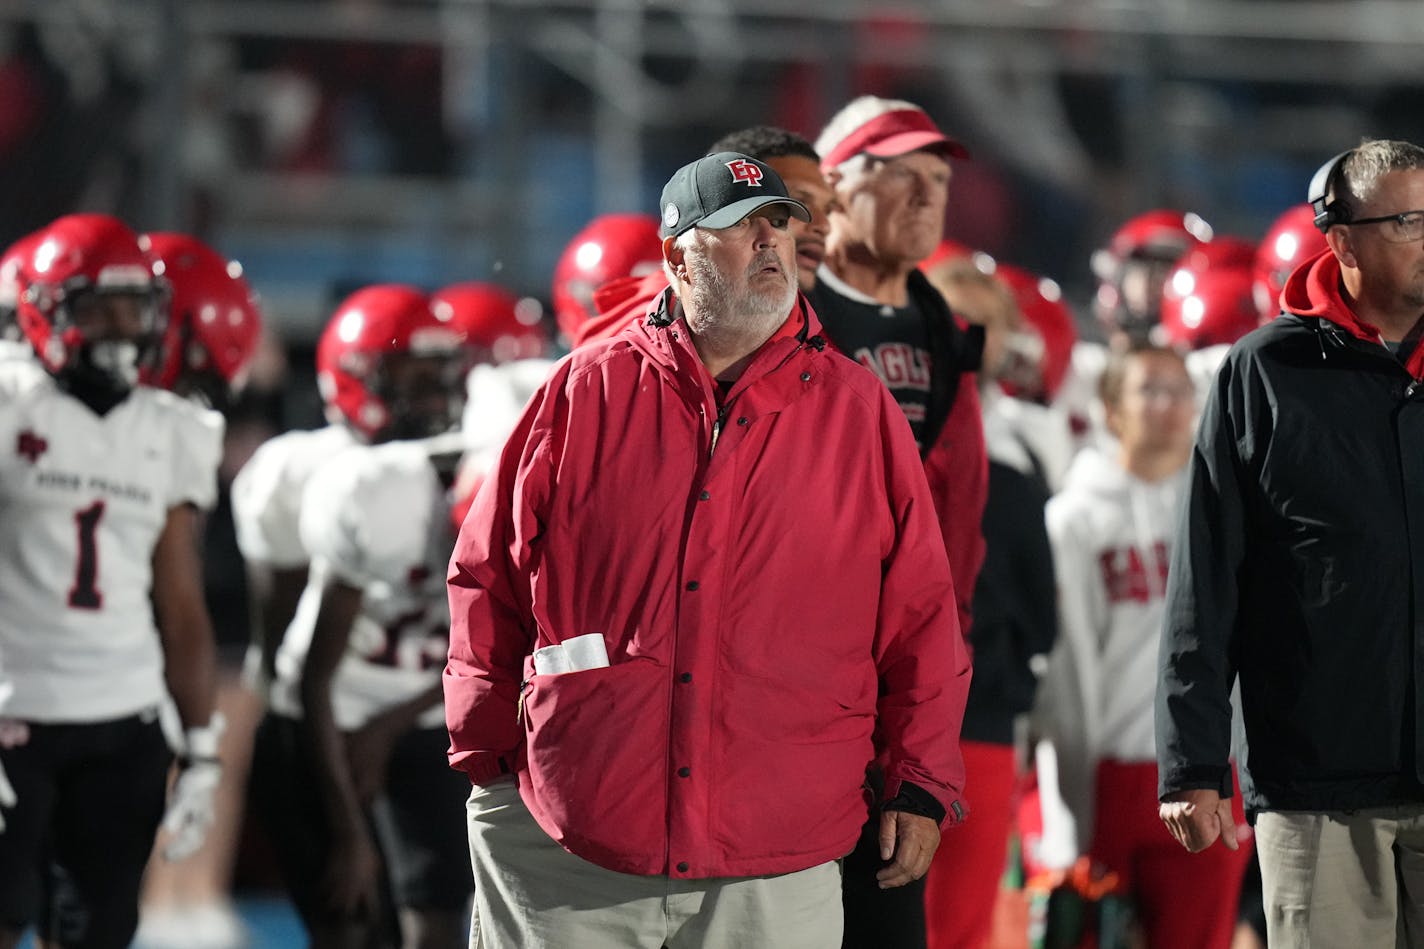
422, 392
103, 338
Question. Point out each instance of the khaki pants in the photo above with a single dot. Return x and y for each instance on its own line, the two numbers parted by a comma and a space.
1352, 879
531, 893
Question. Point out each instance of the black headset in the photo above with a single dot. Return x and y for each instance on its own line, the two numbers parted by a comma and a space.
1334, 212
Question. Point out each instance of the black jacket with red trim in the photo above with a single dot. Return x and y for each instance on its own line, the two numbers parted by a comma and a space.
1300, 568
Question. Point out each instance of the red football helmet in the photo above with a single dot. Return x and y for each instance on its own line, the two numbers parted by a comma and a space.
609, 247
1135, 262
390, 366
498, 324
1291, 240
12, 285
1042, 358
213, 322
1208, 299
73, 257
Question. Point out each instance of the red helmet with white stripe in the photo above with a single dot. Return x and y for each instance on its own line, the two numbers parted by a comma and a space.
499, 325
390, 366
1292, 239
1134, 264
214, 322
609, 247
1208, 299
74, 258
1045, 350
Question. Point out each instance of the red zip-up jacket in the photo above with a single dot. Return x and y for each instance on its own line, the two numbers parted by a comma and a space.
770, 584
956, 461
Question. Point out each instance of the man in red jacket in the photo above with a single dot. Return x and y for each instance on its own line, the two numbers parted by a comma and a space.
889, 165
703, 585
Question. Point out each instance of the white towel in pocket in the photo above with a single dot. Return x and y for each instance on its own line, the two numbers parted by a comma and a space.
572, 655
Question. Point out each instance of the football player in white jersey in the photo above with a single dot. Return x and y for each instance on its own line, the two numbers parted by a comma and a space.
350, 773
212, 334
101, 480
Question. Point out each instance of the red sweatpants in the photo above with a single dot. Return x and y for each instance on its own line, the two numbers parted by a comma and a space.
963, 881
1184, 900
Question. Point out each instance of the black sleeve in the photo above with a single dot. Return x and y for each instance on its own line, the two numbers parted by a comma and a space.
1015, 605
1037, 629
914, 799
1196, 668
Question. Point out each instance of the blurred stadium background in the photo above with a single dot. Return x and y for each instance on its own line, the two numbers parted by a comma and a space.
326, 143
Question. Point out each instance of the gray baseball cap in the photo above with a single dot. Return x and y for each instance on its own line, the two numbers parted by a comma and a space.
719, 190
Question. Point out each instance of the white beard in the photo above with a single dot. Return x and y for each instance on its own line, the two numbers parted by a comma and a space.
721, 311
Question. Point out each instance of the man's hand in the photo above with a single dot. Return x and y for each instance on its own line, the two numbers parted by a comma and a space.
1198, 817
912, 840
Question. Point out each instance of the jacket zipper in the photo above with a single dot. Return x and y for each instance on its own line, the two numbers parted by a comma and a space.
723, 409
717, 429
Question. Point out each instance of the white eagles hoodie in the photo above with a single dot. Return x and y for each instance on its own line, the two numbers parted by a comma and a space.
1112, 535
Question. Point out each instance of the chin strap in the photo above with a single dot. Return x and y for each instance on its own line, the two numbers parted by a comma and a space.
102, 374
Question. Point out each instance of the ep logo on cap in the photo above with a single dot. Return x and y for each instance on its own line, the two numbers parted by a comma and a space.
717, 191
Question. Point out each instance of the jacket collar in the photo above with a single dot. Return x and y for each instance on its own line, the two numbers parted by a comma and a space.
665, 338
1313, 292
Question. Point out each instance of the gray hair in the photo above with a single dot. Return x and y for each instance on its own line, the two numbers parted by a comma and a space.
1361, 172
687, 240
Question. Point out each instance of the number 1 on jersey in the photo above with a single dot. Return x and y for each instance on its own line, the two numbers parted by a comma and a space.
85, 595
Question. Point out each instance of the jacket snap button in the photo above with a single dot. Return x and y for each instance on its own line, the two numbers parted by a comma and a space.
686, 677
684, 772
693, 584
742, 420
805, 377
682, 867
705, 496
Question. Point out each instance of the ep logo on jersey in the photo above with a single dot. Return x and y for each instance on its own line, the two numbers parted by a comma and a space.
745, 171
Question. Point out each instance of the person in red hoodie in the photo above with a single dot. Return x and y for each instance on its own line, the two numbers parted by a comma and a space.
701, 589
1299, 573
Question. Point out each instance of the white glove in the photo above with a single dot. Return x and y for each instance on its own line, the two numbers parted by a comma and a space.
191, 806
13, 733
7, 796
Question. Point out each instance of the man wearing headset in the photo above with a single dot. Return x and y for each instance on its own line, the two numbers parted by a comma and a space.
1300, 570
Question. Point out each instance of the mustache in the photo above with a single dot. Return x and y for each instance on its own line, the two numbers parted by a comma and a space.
765, 259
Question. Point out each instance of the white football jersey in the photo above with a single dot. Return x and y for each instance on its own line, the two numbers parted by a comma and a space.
375, 517
267, 493
495, 397
21, 350
83, 499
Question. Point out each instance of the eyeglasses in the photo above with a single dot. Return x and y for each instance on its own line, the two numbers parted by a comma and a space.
1402, 228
